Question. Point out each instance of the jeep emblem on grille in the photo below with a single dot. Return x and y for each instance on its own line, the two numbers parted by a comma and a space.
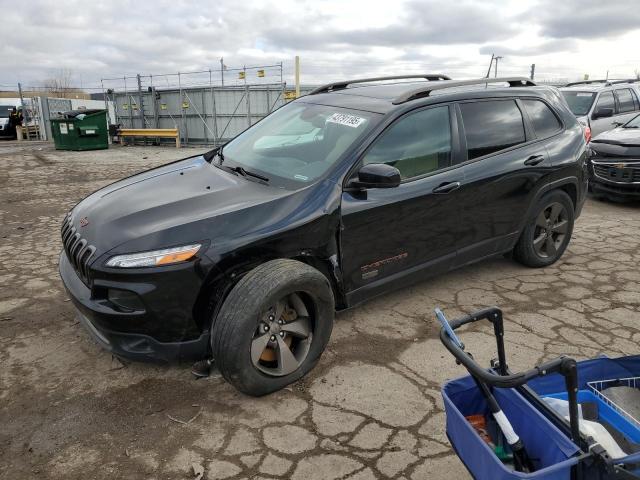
84, 221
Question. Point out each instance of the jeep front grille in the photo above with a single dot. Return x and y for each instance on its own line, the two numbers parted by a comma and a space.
78, 251
618, 172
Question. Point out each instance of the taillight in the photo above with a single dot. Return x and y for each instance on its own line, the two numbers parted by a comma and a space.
587, 133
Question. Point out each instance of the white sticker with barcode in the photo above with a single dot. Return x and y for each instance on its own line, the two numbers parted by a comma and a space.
346, 119
584, 94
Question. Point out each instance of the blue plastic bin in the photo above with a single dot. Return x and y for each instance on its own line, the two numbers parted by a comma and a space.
598, 369
552, 452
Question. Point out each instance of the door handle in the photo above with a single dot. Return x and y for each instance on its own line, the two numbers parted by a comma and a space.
534, 160
447, 187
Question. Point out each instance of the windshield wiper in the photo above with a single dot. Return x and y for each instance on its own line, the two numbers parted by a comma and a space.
241, 171
238, 170
246, 173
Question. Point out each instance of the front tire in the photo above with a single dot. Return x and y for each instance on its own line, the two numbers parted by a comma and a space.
273, 326
548, 231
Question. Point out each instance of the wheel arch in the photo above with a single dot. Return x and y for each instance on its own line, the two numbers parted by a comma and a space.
221, 281
571, 189
569, 185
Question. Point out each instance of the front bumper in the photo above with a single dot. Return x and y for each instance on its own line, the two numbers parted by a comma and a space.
617, 178
134, 335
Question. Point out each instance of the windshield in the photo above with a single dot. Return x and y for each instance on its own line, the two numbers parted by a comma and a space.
299, 142
5, 110
579, 102
633, 123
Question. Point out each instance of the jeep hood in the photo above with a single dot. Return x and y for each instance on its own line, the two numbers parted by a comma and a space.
156, 203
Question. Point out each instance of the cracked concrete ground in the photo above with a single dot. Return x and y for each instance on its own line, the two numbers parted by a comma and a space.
372, 407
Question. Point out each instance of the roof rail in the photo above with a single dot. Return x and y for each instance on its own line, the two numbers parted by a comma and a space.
424, 91
629, 80
588, 82
329, 87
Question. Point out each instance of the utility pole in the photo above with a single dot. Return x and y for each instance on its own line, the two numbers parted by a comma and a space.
140, 102
222, 70
533, 70
607, 75
495, 71
297, 76
490, 63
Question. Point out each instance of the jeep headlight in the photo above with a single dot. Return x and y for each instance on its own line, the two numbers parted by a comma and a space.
154, 258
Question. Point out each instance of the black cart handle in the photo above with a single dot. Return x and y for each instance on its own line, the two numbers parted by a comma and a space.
564, 365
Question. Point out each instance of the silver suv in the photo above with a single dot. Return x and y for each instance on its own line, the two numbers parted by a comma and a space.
602, 104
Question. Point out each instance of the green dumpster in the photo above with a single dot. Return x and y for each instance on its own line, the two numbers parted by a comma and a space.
81, 130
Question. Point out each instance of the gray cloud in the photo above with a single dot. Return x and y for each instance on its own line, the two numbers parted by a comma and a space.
585, 19
429, 22
550, 46
118, 37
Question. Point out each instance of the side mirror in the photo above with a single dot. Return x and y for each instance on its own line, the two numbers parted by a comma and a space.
603, 113
377, 175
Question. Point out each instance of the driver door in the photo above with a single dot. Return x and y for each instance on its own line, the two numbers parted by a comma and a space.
410, 230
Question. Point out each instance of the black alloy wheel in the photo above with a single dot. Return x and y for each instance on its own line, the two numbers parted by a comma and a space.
552, 225
547, 231
273, 326
282, 339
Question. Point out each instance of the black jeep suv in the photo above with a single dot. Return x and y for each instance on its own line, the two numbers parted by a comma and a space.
244, 253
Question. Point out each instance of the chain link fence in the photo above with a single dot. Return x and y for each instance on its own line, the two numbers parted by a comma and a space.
207, 107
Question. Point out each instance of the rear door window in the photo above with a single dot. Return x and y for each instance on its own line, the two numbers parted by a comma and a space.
605, 100
625, 100
544, 121
491, 126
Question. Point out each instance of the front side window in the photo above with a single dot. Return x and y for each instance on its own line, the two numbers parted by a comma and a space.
544, 121
298, 143
605, 101
625, 100
491, 126
417, 144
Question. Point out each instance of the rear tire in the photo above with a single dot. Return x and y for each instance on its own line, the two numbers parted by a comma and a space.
547, 232
273, 326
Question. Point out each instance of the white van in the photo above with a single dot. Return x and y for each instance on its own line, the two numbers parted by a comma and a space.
6, 106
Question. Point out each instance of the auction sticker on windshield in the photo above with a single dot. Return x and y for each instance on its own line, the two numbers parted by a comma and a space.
346, 119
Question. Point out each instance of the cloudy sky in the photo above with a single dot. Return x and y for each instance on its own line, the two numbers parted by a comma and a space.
335, 39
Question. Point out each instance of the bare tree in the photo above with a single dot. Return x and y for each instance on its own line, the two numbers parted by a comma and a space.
60, 84
637, 73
